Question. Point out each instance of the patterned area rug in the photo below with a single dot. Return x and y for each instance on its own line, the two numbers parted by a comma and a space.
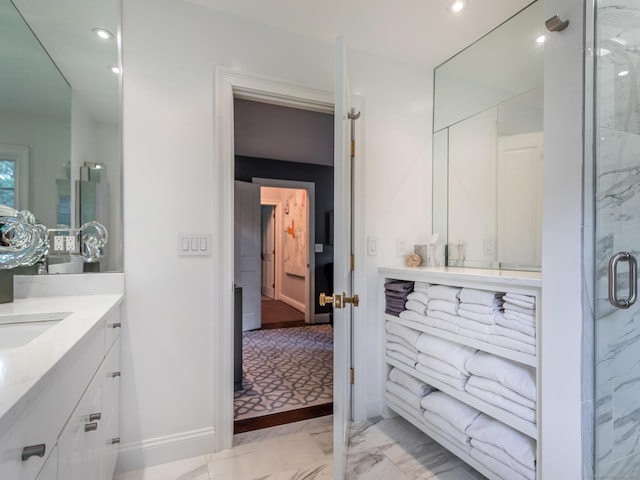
285, 369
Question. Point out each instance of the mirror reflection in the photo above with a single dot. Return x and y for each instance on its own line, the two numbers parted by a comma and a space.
487, 148
60, 141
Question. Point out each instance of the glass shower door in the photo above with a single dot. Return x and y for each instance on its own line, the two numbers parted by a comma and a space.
617, 238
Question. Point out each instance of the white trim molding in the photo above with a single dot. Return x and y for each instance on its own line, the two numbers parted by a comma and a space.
154, 451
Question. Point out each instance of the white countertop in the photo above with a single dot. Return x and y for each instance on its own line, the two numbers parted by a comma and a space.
25, 370
450, 274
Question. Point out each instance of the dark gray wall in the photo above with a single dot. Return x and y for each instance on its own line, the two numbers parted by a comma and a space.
270, 131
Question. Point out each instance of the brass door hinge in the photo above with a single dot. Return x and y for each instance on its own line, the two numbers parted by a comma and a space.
353, 148
352, 376
352, 262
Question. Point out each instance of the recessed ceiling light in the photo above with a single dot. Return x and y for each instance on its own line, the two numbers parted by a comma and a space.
457, 6
623, 73
541, 39
115, 69
102, 33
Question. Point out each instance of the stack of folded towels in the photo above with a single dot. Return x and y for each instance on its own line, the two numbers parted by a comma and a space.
406, 391
479, 311
516, 329
416, 306
443, 360
401, 343
501, 449
503, 383
443, 307
450, 418
396, 292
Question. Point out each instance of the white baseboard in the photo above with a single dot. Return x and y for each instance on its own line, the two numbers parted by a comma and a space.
321, 318
154, 451
292, 302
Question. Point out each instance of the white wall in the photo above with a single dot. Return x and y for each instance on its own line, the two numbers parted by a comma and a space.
170, 53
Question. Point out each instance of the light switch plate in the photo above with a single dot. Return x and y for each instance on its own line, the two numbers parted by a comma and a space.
194, 244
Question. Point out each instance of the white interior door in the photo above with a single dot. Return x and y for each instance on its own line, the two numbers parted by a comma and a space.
247, 239
342, 274
268, 251
520, 200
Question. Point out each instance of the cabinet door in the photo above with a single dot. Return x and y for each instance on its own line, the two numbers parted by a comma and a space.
80, 439
109, 435
50, 469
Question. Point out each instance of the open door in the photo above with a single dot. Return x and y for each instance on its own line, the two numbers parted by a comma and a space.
342, 298
268, 251
247, 239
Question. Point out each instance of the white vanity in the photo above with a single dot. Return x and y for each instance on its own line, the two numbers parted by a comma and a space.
59, 378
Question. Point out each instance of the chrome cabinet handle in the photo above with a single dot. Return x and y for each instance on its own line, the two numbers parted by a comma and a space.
116, 325
114, 374
33, 450
115, 440
613, 279
95, 416
90, 427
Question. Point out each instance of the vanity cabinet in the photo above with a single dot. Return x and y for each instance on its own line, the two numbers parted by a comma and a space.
522, 283
70, 431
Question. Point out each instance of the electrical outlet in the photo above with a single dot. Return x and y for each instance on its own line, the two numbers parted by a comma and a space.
488, 247
70, 240
401, 247
58, 243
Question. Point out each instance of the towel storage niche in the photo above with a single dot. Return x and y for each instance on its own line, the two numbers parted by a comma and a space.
462, 357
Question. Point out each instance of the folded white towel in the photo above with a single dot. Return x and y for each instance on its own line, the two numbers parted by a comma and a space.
477, 308
415, 386
510, 406
416, 306
448, 431
526, 318
503, 457
442, 324
402, 358
475, 325
447, 317
516, 444
465, 332
515, 376
408, 334
517, 325
443, 292
511, 333
401, 403
450, 352
457, 413
511, 344
440, 366
512, 307
444, 306
454, 382
406, 351
496, 466
496, 387
526, 301
404, 393
413, 316
391, 338
421, 285
481, 297
488, 318
419, 297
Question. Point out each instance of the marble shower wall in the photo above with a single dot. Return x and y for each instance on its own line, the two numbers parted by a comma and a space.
617, 218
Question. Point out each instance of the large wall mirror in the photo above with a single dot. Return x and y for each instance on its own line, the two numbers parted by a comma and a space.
60, 111
487, 147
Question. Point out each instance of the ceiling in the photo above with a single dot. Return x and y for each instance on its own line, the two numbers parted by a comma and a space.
418, 32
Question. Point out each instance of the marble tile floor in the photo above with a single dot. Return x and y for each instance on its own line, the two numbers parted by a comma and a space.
386, 449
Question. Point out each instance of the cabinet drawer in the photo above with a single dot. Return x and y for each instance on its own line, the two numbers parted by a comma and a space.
36, 428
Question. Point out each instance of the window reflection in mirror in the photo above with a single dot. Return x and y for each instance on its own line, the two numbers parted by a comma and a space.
487, 157
60, 116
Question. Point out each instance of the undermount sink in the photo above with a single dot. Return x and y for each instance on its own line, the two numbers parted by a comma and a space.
18, 330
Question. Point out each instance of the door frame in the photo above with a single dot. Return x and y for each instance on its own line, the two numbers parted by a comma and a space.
310, 281
230, 84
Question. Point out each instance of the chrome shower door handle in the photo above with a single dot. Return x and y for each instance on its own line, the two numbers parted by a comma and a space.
613, 277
